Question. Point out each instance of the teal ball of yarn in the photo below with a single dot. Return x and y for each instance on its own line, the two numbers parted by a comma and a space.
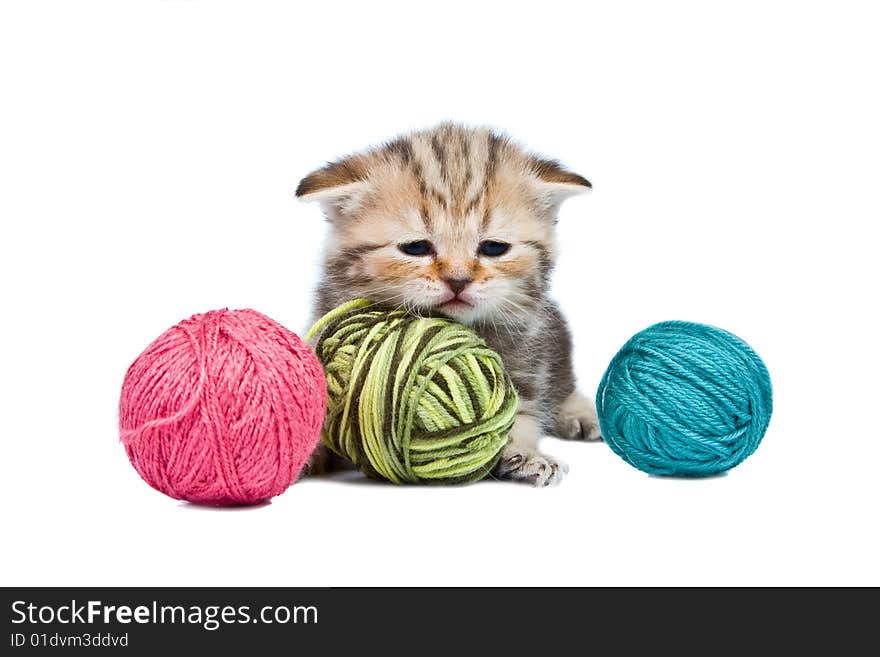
684, 399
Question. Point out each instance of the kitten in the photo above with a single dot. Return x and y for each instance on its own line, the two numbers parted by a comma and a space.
461, 221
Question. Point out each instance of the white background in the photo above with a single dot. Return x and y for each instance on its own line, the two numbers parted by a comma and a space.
148, 155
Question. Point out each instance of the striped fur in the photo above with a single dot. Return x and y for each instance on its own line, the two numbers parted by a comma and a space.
456, 187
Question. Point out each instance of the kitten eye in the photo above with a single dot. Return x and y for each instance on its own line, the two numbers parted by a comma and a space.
493, 249
418, 248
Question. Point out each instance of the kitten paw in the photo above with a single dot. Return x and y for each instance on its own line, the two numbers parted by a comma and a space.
530, 467
578, 419
320, 462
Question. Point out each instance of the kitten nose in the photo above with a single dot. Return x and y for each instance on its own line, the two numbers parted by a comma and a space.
457, 284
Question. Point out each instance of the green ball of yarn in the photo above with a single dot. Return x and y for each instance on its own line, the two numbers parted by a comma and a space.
419, 400
685, 399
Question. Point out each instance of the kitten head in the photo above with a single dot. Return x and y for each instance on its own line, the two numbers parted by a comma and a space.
453, 220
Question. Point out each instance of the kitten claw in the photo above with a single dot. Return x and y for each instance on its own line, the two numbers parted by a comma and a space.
505, 465
539, 470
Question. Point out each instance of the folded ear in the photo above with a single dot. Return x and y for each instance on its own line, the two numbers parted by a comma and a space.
339, 186
554, 183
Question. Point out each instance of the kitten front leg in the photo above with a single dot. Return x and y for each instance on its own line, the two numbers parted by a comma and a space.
520, 459
577, 418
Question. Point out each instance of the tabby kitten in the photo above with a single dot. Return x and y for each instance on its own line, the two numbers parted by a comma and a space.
460, 221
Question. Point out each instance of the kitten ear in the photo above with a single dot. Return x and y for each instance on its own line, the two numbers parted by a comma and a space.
339, 186
555, 183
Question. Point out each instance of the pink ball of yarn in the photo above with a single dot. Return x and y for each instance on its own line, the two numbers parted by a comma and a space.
223, 409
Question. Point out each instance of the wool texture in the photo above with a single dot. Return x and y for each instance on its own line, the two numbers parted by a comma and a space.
222, 409
419, 400
685, 399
